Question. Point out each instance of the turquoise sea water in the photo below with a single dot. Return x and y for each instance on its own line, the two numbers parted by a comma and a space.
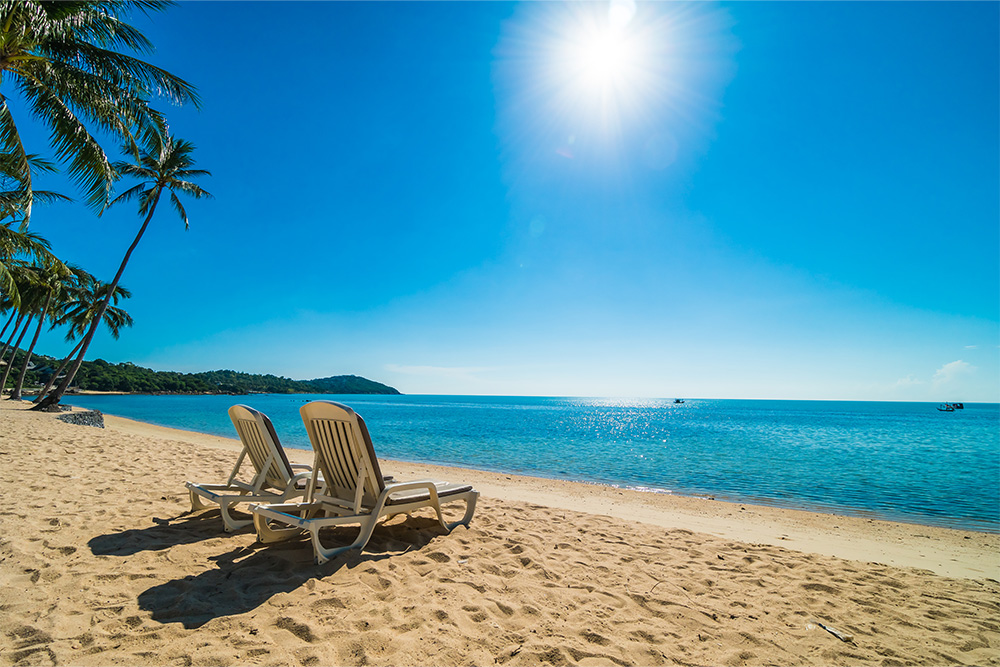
899, 461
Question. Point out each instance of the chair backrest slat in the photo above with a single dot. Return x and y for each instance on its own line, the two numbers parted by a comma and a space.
343, 449
328, 437
260, 440
344, 452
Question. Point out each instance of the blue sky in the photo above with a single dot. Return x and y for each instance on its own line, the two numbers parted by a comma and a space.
746, 200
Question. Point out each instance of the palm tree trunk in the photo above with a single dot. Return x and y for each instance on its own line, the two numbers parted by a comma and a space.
62, 367
57, 394
3, 352
15, 395
9, 320
17, 345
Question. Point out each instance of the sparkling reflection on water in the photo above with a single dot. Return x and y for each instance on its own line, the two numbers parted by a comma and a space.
903, 461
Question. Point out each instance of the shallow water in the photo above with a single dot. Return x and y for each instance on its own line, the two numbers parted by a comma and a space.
899, 461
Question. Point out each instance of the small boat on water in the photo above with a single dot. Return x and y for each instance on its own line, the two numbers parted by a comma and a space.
678, 400
951, 407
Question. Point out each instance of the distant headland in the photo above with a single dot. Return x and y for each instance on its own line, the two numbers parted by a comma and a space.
126, 377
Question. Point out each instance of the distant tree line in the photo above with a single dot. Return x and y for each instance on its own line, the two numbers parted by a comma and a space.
101, 375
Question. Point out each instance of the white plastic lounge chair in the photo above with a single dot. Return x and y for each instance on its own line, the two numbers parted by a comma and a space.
355, 490
275, 479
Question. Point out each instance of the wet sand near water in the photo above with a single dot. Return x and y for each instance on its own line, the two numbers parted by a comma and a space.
103, 564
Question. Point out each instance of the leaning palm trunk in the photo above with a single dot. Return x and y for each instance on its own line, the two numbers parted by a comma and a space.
17, 345
13, 333
52, 378
58, 392
9, 320
164, 163
15, 394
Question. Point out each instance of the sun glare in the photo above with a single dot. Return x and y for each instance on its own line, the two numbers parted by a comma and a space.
606, 58
603, 61
594, 78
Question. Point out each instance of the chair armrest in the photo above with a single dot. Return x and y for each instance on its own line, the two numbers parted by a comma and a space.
300, 466
406, 486
302, 477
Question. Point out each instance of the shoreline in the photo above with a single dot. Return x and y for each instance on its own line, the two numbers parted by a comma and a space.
945, 551
947, 523
96, 392
105, 563
772, 497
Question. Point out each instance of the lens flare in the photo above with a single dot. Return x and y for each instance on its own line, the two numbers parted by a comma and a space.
601, 56
633, 83
606, 58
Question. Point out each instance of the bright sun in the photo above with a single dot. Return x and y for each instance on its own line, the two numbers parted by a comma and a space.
603, 56
606, 58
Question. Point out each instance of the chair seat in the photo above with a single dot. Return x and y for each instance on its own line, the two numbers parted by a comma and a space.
275, 478
304, 482
444, 489
356, 491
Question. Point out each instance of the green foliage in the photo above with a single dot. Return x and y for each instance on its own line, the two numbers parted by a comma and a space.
100, 375
71, 68
237, 382
350, 384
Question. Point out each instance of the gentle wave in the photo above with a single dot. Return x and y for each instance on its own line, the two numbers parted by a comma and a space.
899, 461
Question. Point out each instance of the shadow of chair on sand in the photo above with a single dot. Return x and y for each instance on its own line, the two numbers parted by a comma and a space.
247, 577
186, 528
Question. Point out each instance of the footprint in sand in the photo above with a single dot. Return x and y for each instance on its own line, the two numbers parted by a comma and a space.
439, 557
821, 588
300, 630
595, 638
29, 644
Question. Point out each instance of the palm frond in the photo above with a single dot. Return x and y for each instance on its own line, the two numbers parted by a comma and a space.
88, 164
191, 189
179, 207
134, 192
72, 62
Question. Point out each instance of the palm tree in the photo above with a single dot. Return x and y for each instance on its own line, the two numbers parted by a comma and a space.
64, 58
16, 196
7, 305
78, 311
53, 278
26, 280
16, 243
15, 199
164, 164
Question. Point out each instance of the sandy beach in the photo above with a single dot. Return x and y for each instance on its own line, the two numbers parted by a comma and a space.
103, 564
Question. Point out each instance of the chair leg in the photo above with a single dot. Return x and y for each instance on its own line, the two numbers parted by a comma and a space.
470, 508
323, 554
229, 523
196, 502
269, 535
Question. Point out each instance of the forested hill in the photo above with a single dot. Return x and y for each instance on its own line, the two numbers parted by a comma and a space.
270, 384
100, 375
350, 384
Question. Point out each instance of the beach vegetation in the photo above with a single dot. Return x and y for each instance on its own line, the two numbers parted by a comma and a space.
17, 244
18, 247
127, 377
69, 64
51, 279
100, 375
164, 164
77, 312
22, 279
